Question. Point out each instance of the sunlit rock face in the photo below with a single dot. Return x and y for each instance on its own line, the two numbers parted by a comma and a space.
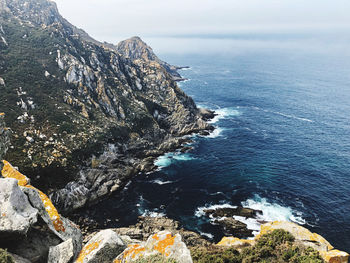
70, 99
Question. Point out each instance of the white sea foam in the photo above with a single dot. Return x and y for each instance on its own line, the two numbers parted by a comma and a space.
153, 214
270, 212
160, 182
273, 211
215, 133
167, 159
284, 115
208, 235
224, 113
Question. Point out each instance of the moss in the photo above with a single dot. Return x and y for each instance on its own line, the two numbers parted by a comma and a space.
275, 247
5, 257
156, 259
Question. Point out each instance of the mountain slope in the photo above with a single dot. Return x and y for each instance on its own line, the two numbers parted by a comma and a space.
84, 118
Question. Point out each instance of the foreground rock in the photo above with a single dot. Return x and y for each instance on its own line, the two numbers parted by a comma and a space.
17, 214
302, 236
164, 243
30, 224
62, 253
147, 226
105, 246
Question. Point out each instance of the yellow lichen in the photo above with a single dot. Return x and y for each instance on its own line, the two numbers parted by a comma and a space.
87, 250
9, 171
162, 245
131, 252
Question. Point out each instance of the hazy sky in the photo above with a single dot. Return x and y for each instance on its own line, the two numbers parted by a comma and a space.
113, 20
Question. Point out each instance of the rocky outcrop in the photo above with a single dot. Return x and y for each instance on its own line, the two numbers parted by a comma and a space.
96, 117
302, 236
105, 246
30, 224
225, 218
135, 49
147, 226
164, 243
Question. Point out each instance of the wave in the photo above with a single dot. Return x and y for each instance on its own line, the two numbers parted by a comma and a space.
168, 158
224, 113
149, 213
215, 133
208, 235
160, 182
270, 212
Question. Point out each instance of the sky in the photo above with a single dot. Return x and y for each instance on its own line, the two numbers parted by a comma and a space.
114, 20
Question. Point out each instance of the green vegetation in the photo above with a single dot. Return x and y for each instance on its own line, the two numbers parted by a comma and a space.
275, 247
156, 259
5, 257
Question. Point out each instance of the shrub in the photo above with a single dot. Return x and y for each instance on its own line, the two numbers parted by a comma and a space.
275, 247
5, 257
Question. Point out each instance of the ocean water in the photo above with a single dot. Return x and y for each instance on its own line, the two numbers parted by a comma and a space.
281, 144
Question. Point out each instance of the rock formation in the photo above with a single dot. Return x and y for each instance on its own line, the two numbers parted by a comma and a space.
302, 236
29, 223
94, 113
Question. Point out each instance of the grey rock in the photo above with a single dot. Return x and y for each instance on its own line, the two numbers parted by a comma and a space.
105, 246
62, 253
19, 259
17, 214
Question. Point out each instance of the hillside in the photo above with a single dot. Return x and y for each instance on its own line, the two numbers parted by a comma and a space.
84, 118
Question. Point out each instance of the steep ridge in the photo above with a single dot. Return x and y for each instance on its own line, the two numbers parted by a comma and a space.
134, 48
84, 118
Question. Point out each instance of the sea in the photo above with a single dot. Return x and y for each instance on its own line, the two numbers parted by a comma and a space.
281, 143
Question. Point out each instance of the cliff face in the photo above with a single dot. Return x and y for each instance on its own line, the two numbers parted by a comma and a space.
84, 117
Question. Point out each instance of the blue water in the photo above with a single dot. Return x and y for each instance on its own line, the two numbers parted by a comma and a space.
282, 144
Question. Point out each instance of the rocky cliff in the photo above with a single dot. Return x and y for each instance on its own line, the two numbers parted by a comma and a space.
85, 116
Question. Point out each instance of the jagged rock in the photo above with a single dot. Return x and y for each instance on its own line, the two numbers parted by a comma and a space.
147, 226
102, 247
236, 243
62, 253
234, 227
49, 231
16, 213
2, 82
206, 114
309, 239
164, 243
230, 212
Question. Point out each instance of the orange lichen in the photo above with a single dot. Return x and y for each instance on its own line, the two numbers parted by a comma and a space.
162, 245
133, 251
87, 250
2, 114
50, 209
9, 171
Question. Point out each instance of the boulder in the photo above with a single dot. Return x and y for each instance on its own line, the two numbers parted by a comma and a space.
234, 227
19, 259
147, 226
105, 246
48, 228
164, 243
230, 212
62, 253
16, 213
